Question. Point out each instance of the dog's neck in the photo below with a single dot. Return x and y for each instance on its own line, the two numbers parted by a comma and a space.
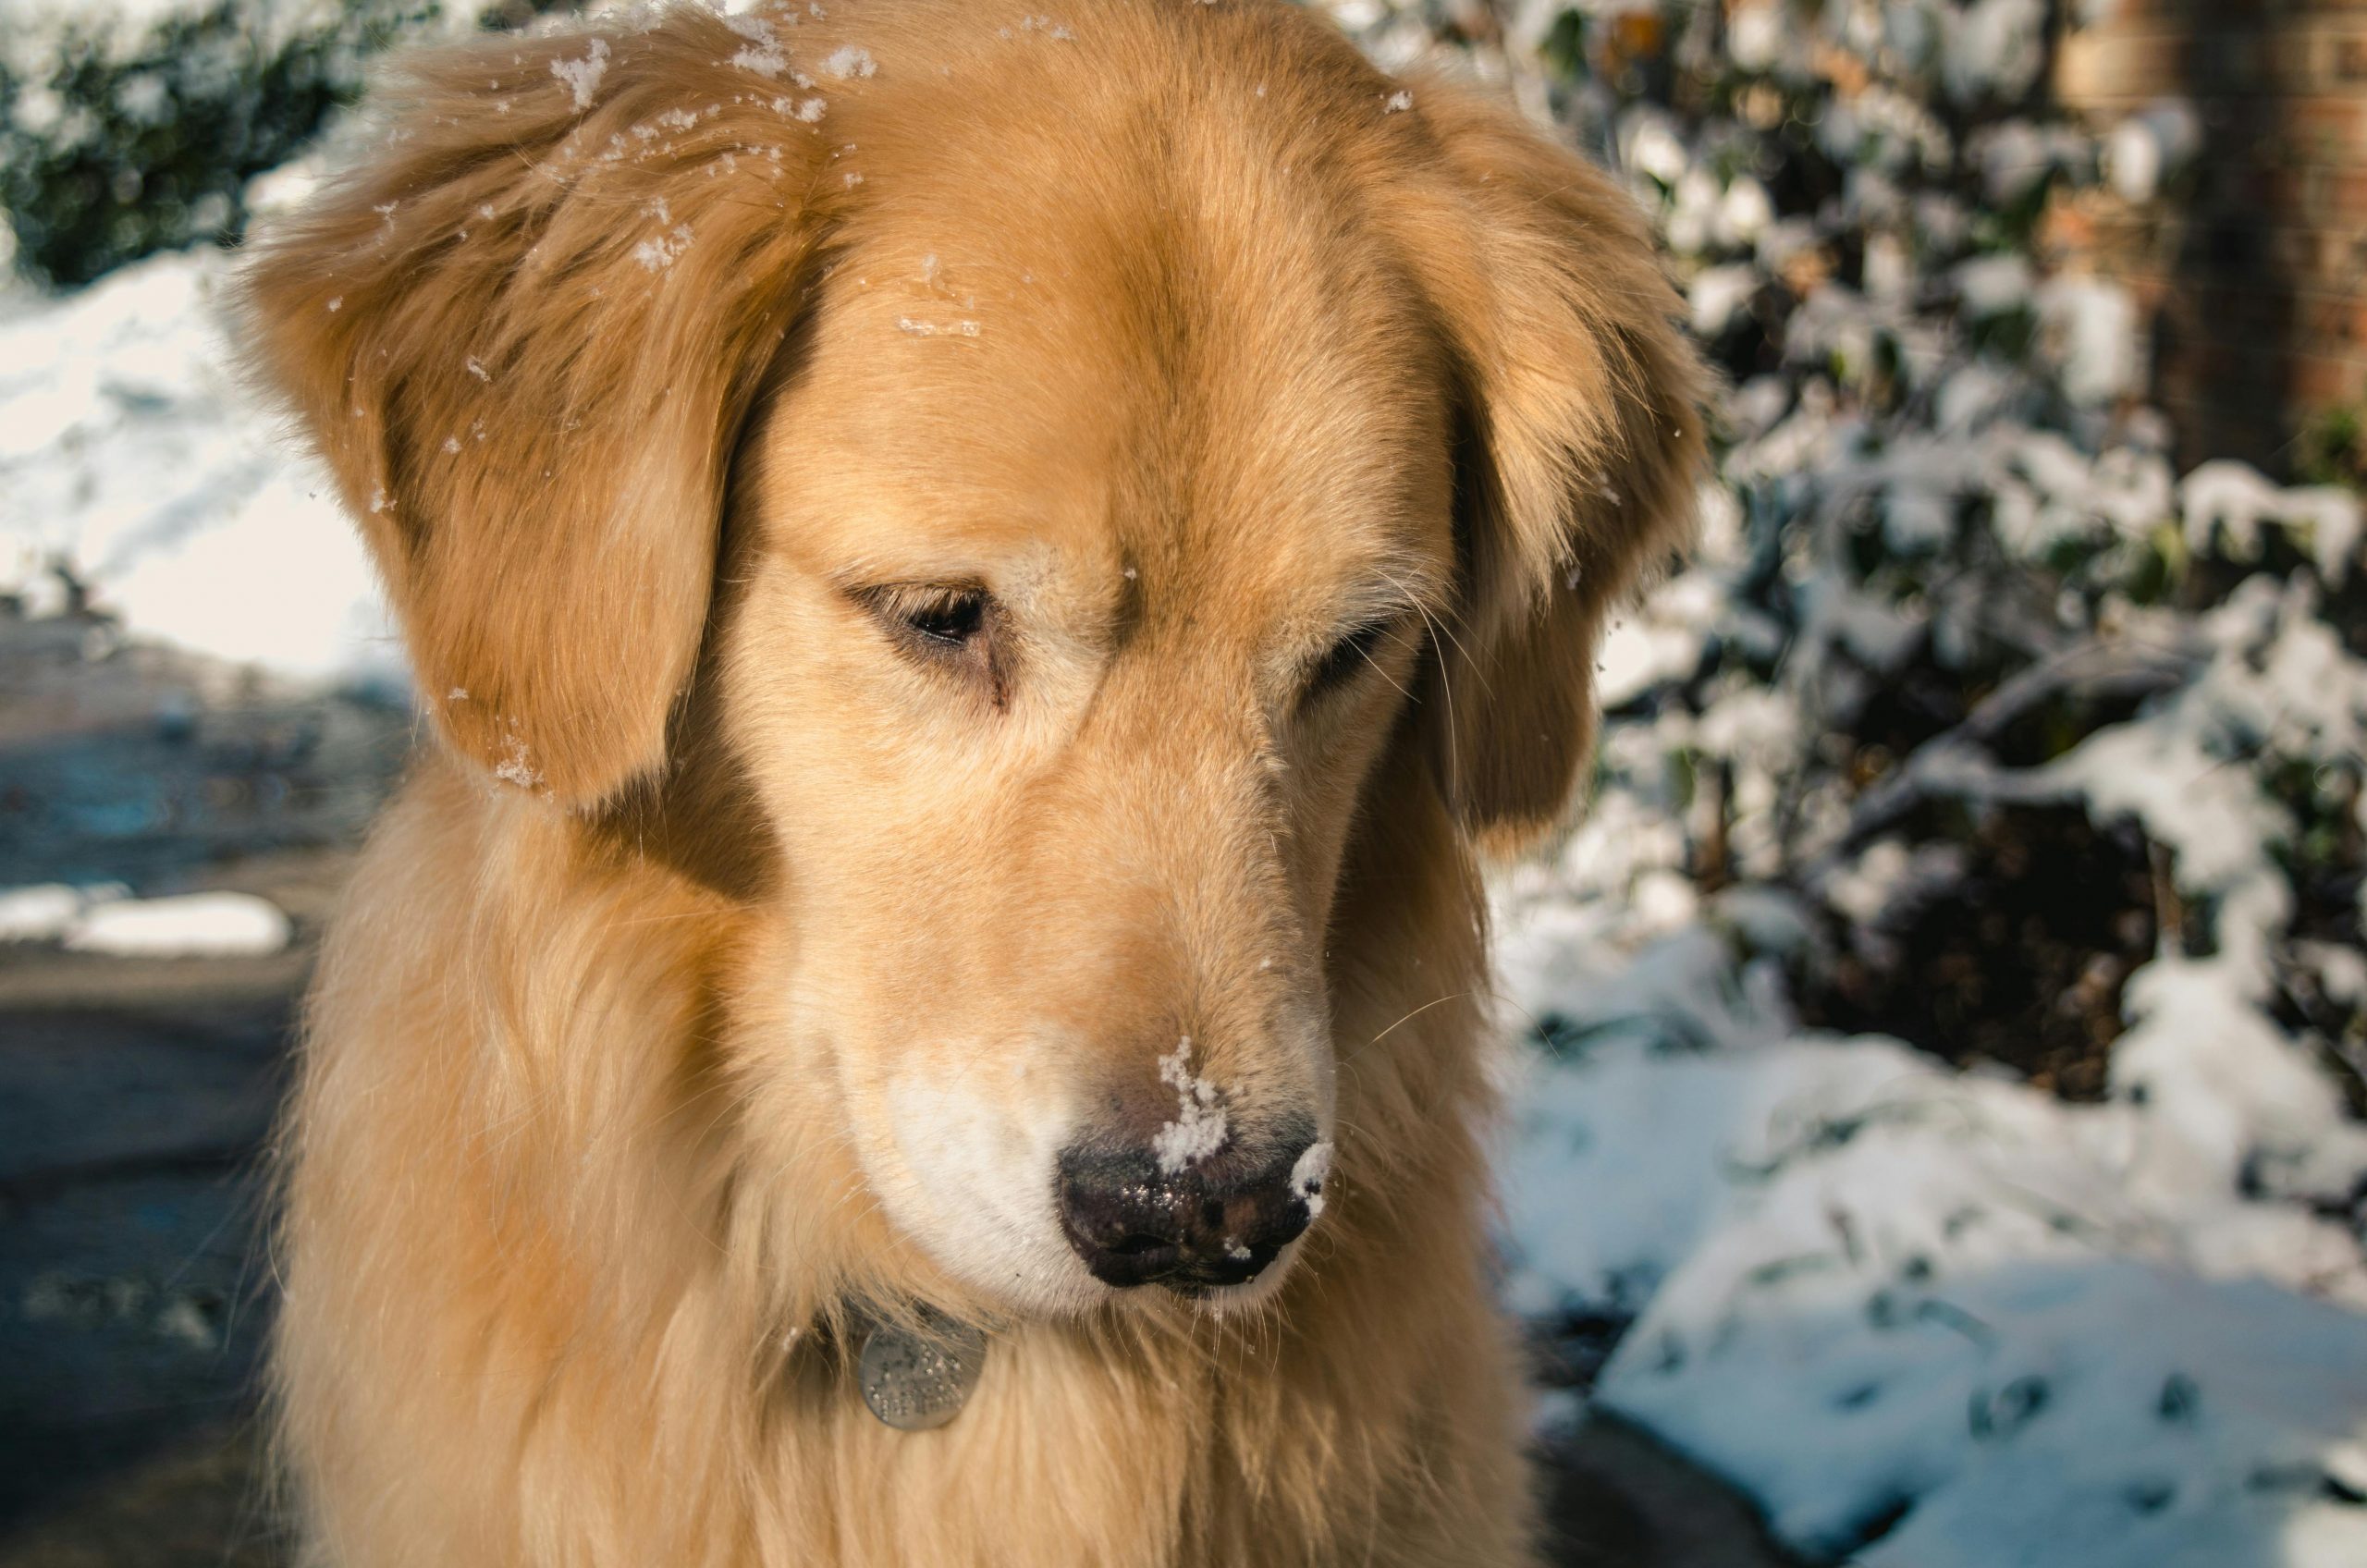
702, 1293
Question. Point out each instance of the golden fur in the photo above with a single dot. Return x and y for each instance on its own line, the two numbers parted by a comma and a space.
708, 980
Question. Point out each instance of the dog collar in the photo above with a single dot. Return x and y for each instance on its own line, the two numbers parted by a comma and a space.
918, 1381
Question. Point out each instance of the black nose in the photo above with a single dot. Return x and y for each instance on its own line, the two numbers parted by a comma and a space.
1219, 1221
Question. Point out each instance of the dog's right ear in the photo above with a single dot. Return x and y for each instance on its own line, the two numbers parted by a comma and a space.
524, 334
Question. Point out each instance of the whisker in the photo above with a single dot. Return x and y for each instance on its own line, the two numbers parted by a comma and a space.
1439, 1002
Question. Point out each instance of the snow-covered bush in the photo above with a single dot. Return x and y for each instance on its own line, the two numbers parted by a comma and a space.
1956, 618
1952, 1016
132, 125
1952, 592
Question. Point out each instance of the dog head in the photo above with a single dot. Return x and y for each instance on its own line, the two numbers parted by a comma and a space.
1063, 470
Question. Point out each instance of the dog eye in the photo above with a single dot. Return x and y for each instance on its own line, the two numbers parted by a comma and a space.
933, 619
1345, 659
955, 618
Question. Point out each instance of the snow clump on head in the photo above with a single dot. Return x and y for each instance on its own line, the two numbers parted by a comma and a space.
583, 77
762, 53
847, 60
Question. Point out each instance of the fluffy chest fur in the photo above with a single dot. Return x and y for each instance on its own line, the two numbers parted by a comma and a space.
543, 1314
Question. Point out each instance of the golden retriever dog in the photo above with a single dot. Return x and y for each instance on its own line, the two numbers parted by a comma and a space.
983, 581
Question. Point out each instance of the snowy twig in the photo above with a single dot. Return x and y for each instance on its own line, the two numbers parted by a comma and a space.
1957, 761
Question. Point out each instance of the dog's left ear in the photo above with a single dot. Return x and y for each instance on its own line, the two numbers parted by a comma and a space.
1582, 445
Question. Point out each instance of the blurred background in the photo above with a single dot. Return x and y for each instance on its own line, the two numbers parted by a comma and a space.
1939, 1127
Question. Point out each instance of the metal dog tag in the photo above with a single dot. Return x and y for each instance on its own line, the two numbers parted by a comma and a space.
916, 1384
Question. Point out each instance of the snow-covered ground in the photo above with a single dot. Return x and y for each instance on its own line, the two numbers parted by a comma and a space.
1927, 1316
1869, 1286
134, 464
106, 920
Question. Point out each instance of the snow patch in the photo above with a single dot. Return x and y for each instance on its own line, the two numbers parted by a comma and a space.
1199, 1129
1718, 295
46, 912
2234, 499
1309, 1174
192, 925
133, 457
583, 77
847, 60
763, 53
656, 255
517, 766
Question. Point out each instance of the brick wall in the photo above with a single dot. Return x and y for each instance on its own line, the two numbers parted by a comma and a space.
2252, 263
